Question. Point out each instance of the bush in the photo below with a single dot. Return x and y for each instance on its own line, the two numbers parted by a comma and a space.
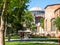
14, 36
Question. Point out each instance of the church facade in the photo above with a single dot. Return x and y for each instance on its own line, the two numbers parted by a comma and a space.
51, 12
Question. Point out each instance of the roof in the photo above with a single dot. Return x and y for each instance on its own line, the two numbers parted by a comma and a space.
24, 31
35, 9
27, 31
51, 5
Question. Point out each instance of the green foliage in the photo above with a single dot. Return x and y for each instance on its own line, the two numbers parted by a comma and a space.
42, 22
1, 4
9, 30
15, 12
57, 23
14, 36
27, 19
33, 27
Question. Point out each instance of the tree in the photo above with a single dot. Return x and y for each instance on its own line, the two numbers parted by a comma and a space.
6, 7
15, 12
15, 16
33, 27
42, 22
27, 19
2, 22
57, 24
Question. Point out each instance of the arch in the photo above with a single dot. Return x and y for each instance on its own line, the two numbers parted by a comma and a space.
56, 9
57, 12
52, 24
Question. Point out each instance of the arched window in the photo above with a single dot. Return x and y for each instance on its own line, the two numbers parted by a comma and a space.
53, 27
46, 24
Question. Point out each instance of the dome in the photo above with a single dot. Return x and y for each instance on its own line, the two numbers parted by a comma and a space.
27, 31
35, 9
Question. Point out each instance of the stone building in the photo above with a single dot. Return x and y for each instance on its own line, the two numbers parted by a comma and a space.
37, 13
51, 12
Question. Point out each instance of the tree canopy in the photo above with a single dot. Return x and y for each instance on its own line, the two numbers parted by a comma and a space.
12, 11
57, 22
42, 22
15, 12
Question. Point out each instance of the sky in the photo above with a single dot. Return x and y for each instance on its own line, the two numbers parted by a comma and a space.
42, 3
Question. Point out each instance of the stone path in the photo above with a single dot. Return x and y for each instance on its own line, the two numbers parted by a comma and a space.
28, 40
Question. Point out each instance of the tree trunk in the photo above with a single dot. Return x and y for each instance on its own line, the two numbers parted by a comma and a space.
59, 40
2, 42
9, 37
5, 28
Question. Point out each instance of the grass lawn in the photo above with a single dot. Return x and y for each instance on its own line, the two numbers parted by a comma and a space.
25, 43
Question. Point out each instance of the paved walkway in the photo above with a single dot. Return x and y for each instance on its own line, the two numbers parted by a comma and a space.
28, 40
34, 39
44, 42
